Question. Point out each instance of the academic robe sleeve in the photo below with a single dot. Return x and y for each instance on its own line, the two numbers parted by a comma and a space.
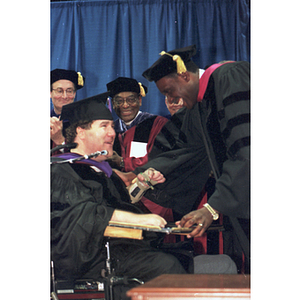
78, 220
183, 160
232, 94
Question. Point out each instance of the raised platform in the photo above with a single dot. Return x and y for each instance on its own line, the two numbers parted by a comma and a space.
195, 286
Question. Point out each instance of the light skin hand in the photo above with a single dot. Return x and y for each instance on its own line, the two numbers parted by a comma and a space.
153, 175
56, 131
152, 219
143, 219
129, 176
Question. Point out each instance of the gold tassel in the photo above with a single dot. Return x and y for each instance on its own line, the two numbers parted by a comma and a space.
163, 53
80, 79
142, 90
181, 68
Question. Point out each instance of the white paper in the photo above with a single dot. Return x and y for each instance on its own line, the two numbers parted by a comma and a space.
138, 149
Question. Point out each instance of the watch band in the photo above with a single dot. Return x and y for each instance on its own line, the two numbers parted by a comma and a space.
214, 214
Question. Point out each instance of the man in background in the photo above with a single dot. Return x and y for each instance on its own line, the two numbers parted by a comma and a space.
63, 87
136, 130
135, 133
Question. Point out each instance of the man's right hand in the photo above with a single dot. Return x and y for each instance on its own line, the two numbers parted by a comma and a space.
56, 131
202, 217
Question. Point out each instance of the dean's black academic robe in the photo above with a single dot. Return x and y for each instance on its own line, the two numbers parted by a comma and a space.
217, 131
184, 162
224, 115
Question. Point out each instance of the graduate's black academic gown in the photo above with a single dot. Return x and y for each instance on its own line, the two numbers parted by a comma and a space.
82, 203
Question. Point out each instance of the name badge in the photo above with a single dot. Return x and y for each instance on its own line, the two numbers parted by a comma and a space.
138, 149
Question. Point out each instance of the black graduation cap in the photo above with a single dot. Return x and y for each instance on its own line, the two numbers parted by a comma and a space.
73, 76
89, 109
170, 62
125, 84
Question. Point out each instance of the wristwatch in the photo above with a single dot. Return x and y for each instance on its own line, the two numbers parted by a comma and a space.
214, 214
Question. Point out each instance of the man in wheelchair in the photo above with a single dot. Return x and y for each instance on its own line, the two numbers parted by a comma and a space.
86, 194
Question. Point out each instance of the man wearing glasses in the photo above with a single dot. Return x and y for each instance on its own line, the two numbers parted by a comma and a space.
136, 130
64, 84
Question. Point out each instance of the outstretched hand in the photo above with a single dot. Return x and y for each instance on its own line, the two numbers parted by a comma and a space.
202, 217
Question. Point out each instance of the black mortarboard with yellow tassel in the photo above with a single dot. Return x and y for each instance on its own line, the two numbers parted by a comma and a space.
75, 77
125, 84
88, 109
170, 62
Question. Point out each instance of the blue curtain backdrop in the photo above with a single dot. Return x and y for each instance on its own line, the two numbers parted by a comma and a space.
107, 39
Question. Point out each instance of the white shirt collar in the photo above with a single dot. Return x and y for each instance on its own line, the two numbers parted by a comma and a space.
128, 123
201, 71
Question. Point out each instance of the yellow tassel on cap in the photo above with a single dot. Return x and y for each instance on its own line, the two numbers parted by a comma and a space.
142, 90
181, 68
80, 79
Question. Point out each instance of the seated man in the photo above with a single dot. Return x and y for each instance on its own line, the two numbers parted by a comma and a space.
87, 194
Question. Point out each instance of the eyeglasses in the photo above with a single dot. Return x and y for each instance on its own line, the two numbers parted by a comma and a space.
131, 100
59, 92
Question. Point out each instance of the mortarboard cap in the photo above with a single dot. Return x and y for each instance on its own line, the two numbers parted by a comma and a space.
73, 76
125, 84
89, 109
170, 62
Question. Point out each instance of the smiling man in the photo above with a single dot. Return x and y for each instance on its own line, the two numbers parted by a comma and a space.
218, 117
87, 194
126, 94
136, 130
63, 87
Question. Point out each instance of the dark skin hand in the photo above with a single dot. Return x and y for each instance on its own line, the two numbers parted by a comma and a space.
201, 216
